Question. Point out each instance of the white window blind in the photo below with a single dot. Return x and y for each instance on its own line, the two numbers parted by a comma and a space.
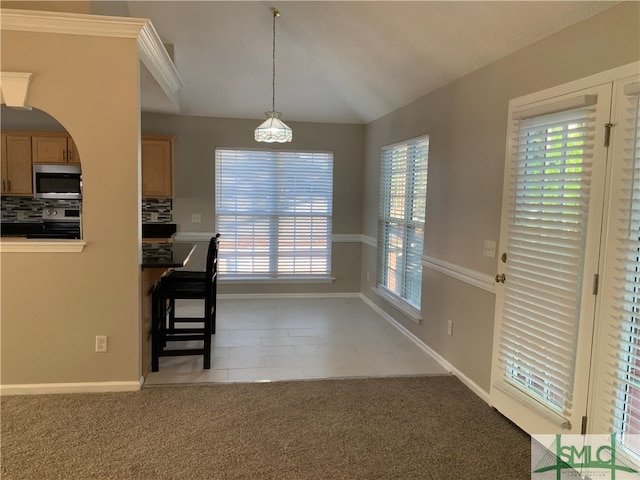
401, 223
546, 240
273, 210
623, 407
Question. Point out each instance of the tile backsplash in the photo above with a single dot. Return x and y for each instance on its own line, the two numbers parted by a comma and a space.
29, 209
157, 210
154, 210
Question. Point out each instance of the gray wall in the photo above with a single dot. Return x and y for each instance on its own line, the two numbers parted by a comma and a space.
196, 139
467, 121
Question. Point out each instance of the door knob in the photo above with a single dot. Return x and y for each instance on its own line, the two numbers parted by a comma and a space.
500, 278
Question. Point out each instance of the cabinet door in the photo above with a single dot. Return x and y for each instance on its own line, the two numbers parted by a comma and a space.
49, 149
72, 152
157, 168
16, 165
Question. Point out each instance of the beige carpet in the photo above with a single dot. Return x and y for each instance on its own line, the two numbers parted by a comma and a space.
385, 428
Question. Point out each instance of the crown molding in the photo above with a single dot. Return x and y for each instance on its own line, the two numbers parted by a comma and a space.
151, 50
153, 54
70, 23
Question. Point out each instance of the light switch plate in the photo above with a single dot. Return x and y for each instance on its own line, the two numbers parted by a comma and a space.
22, 215
196, 218
489, 249
154, 216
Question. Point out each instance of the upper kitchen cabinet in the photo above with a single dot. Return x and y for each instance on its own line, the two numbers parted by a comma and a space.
157, 166
54, 148
16, 165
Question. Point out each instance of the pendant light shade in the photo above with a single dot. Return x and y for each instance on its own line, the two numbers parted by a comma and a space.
273, 129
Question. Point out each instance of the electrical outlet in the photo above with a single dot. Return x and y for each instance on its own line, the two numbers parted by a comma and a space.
22, 215
101, 343
489, 249
196, 218
154, 216
450, 328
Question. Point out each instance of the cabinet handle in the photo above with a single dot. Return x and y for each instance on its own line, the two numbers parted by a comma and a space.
64, 155
4, 185
71, 155
9, 184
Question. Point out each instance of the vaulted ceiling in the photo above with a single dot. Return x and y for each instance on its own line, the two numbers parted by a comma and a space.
341, 61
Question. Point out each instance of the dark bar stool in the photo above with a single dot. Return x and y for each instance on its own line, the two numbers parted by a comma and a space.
200, 286
190, 276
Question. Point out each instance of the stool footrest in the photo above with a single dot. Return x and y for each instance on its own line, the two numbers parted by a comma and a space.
184, 351
183, 338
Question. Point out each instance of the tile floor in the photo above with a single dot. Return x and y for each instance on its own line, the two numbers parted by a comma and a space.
293, 339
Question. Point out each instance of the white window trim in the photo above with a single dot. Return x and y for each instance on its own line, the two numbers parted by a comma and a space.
247, 280
407, 309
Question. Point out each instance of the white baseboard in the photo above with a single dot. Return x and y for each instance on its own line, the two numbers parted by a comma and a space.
81, 387
234, 296
483, 394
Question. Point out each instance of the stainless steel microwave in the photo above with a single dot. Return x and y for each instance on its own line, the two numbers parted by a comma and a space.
57, 181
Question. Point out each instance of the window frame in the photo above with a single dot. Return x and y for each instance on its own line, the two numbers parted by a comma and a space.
413, 203
277, 173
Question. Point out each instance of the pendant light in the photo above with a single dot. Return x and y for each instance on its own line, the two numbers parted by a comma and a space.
273, 129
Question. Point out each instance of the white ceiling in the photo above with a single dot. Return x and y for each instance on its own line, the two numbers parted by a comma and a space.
345, 62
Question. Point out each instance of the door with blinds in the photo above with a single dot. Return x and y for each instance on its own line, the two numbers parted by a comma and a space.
550, 243
616, 373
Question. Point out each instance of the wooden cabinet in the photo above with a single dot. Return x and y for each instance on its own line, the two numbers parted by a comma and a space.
16, 165
157, 166
52, 148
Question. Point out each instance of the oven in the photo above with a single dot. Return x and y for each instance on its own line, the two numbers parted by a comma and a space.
59, 223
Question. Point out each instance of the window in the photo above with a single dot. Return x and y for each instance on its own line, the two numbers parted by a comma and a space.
273, 210
403, 199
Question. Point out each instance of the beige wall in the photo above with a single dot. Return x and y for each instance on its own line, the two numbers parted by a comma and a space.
54, 304
466, 121
194, 184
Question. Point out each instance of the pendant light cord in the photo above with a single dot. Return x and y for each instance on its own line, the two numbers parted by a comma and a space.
276, 13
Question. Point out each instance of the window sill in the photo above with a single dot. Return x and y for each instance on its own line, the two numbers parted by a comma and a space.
410, 311
289, 280
42, 246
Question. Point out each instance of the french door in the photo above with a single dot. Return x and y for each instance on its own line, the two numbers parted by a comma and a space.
550, 236
566, 355
616, 374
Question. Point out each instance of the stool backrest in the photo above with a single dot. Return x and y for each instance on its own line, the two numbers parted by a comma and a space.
212, 262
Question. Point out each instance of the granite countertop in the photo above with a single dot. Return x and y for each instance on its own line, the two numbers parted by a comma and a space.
167, 255
158, 230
